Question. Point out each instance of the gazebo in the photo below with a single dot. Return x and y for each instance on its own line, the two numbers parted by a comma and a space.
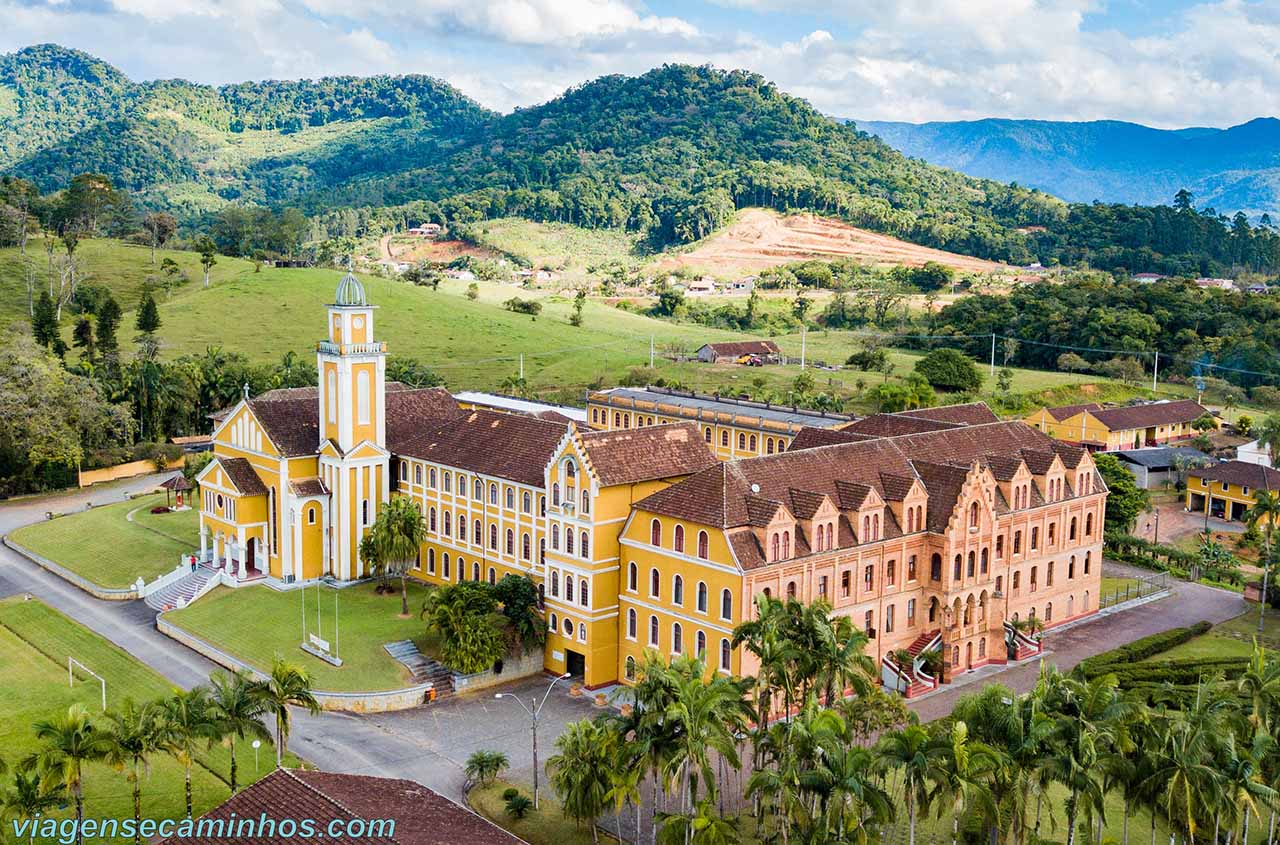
177, 485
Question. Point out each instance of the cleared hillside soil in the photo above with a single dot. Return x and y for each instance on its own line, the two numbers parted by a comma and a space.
404, 248
758, 239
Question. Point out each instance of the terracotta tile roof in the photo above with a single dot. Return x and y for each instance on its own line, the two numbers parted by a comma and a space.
1038, 461
291, 422
1151, 414
1070, 454
308, 487
630, 455
805, 503
1063, 412
511, 446
895, 425
811, 437
421, 816
411, 411
1243, 473
737, 348
847, 472
242, 475
968, 413
760, 512
1003, 467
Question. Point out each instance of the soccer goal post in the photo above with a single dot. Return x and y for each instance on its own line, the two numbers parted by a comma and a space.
71, 678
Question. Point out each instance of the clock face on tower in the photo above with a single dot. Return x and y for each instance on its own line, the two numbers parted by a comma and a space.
357, 322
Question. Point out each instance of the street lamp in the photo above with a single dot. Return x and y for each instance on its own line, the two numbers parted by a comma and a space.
533, 708
257, 743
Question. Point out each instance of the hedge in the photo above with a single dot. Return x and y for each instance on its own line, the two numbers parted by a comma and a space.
1188, 671
1139, 650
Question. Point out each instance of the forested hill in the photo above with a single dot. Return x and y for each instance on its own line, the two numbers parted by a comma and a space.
191, 148
1234, 169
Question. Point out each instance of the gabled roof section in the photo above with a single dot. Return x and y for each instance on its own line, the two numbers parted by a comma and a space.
896, 487
895, 425
805, 503
968, 413
410, 410
1065, 412
944, 483
242, 476
1003, 467
811, 437
308, 487
761, 512
290, 418
1151, 414
852, 495
632, 455
511, 446
1038, 461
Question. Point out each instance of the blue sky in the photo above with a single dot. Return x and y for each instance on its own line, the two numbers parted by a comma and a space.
1160, 62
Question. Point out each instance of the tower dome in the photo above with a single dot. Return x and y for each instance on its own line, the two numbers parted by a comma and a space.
350, 292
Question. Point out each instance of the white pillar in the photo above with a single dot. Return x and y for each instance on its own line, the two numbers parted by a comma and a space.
204, 540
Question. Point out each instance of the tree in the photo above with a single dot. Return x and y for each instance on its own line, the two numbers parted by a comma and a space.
1072, 363
66, 743
580, 771
1125, 500
398, 534
1244, 424
289, 685
107, 323
949, 369
28, 798
148, 320
236, 708
1004, 379
82, 338
1204, 423
800, 306
916, 758
483, 767
160, 227
579, 302
131, 736
463, 614
208, 255
186, 725
473, 291
44, 324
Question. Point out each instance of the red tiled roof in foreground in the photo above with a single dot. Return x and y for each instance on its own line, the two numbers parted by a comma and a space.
631, 455
422, 817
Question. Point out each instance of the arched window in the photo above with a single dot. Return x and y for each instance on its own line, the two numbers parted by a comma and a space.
585, 545
677, 538
955, 569
448, 482
677, 638
655, 533
493, 576
791, 589
1071, 532
701, 644
511, 499
555, 583
475, 532
568, 588
702, 597
631, 667
511, 542
973, 515
703, 543
444, 570
751, 443
526, 546
1071, 568
448, 528
493, 493
725, 655
653, 631
311, 515
706, 434
475, 571
677, 589
935, 568
1088, 525
726, 604
553, 623
724, 438
493, 536
332, 392
586, 501
555, 494
526, 502
786, 544
655, 583
969, 570
568, 541
775, 547
984, 563
555, 536
477, 491
631, 625
633, 574
1087, 560
1048, 612
742, 440
570, 470
431, 475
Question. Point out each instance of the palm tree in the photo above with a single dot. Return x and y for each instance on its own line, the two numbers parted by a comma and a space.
236, 708
1184, 778
186, 725
67, 742
700, 826
706, 715
132, 735
653, 736
1244, 788
484, 766
841, 661
911, 753
579, 772
1260, 683
1265, 509
399, 532
288, 685
966, 766
26, 799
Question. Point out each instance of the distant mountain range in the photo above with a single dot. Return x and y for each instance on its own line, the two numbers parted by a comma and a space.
1235, 169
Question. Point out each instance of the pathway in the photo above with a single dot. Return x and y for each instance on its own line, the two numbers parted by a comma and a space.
429, 745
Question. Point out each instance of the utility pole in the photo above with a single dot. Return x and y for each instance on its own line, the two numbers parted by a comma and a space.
1155, 372
651, 352
993, 354
533, 708
522, 366
803, 332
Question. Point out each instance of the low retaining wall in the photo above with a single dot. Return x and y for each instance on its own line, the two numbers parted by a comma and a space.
354, 702
105, 593
524, 666
130, 470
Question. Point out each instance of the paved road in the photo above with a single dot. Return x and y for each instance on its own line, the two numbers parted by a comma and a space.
428, 745
1188, 604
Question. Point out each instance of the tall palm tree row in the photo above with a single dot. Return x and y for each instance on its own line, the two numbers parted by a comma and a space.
789, 755
127, 738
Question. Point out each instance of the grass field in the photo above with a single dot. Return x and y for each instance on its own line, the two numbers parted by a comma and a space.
1233, 638
570, 250
257, 624
546, 826
35, 641
104, 547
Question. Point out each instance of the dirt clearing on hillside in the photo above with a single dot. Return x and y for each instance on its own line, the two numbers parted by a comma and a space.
760, 239
402, 248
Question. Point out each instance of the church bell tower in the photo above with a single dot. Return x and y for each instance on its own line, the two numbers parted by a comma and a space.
352, 372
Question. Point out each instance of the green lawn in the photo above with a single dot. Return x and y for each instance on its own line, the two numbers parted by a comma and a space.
104, 547
257, 624
1233, 638
547, 826
569, 250
35, 641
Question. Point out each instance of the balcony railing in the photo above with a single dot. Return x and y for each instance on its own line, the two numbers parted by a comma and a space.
351, 348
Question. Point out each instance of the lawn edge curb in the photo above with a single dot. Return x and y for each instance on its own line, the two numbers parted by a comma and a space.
76, 580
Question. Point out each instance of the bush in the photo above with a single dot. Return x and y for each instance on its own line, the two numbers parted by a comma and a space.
160, 509
949, 369
532, 307
1116, 659
1178, 672
518, 806
509, 793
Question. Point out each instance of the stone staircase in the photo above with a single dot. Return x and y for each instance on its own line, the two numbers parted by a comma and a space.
423, 669
921, 642
180, 592
917, 685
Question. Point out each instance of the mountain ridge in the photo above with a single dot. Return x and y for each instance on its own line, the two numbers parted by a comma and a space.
1231, 169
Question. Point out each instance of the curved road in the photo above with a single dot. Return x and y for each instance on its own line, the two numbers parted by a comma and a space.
428, 744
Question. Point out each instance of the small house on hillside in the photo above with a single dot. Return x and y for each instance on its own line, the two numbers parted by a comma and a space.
1121, 427
427, 230
718, 353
